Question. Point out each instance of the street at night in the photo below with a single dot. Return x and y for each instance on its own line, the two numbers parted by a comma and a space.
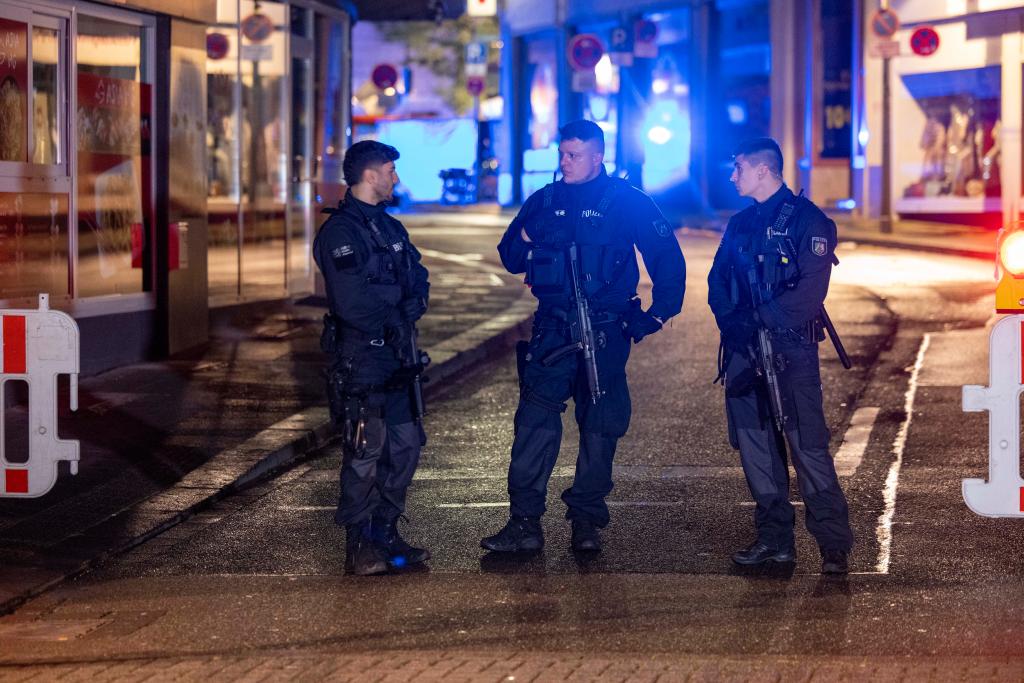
482, 341
252, 587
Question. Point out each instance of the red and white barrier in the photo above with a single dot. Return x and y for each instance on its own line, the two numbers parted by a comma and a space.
1002, 495
35, 347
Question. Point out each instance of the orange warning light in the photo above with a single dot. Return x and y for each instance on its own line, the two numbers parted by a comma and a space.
1010, 256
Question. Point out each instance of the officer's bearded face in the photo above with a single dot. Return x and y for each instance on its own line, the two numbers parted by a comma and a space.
383, 179
579, 161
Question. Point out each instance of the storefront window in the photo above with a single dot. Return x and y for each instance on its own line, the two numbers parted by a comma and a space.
331, 104
948, 145
222, 141
741, 106
540, 154
13, 90
45, 101
34, 254
666, 129
33, 244
264, 64
113, 158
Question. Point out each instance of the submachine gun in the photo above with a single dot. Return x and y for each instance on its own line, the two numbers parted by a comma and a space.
583, 338
766, 363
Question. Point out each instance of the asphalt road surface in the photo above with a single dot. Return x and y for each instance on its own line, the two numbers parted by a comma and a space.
254, 589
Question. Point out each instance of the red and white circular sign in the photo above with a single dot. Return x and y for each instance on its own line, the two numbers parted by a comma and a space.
217, 45
585, 51
924, 41
385, 76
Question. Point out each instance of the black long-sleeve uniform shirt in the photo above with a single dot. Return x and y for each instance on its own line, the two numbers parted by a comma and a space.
362, 288
632, 219
813, 236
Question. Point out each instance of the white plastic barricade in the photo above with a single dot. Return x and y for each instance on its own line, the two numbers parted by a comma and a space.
1003, 494
36, 347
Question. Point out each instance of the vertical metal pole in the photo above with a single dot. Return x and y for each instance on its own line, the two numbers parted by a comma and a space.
885, 217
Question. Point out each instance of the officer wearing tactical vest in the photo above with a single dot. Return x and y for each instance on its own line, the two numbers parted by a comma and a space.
771, 272
377, 290
588, 222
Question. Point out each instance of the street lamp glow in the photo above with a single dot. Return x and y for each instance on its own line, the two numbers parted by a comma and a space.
1011, 253
659, 135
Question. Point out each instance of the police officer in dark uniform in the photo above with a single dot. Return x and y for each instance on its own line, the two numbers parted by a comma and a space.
772, 271
603, 218
377, 290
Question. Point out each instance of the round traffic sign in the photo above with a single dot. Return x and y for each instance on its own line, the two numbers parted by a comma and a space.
476, 85
257, 27
924, 41
884, 23
217, 45
585, 51
385, 76
646, 31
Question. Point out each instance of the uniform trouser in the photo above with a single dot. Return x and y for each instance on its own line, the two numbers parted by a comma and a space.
375, 479
763, 452
538, 421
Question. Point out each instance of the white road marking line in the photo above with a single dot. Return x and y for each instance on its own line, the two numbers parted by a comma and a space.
855, 442
751, 503
884, 530
473, 505
610, 503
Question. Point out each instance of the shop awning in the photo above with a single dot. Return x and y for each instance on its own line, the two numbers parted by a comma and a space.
409, 10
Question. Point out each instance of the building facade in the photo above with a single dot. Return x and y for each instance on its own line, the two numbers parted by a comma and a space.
160, 158
680, 84
954, 112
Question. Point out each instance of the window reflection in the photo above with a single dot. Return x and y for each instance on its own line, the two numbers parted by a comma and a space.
13, 91
44, 96
33, 244
113, 158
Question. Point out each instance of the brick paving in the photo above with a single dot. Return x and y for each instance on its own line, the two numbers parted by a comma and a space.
519, 667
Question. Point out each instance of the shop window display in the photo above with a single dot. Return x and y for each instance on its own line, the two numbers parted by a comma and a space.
113, 158
957, 143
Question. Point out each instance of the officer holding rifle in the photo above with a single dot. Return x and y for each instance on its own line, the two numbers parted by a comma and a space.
767, 288
574, 239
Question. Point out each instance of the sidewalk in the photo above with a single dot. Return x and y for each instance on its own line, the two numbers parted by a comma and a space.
942, 238
161, 440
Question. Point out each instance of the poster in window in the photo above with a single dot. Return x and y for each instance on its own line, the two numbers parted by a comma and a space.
13, 90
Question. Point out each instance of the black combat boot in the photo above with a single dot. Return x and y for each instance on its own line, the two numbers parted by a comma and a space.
399, 553
835, 562
585, 536
363, 556
759, 553
520, 534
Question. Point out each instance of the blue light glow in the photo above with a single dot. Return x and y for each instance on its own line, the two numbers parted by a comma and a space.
666, 142
427, 148
737, 112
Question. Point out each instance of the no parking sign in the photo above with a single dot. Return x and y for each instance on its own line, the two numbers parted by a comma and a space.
924, 41
585, 51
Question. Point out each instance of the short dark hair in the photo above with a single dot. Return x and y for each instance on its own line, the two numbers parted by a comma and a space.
363, 155
761, 151
584, 130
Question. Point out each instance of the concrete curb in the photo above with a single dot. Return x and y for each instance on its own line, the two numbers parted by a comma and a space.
282, 445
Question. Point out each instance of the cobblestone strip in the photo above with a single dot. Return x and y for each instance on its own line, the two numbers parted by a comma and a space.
427, 667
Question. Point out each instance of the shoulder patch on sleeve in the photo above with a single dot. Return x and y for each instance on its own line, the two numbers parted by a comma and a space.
819, 247
344, 256
662, 227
